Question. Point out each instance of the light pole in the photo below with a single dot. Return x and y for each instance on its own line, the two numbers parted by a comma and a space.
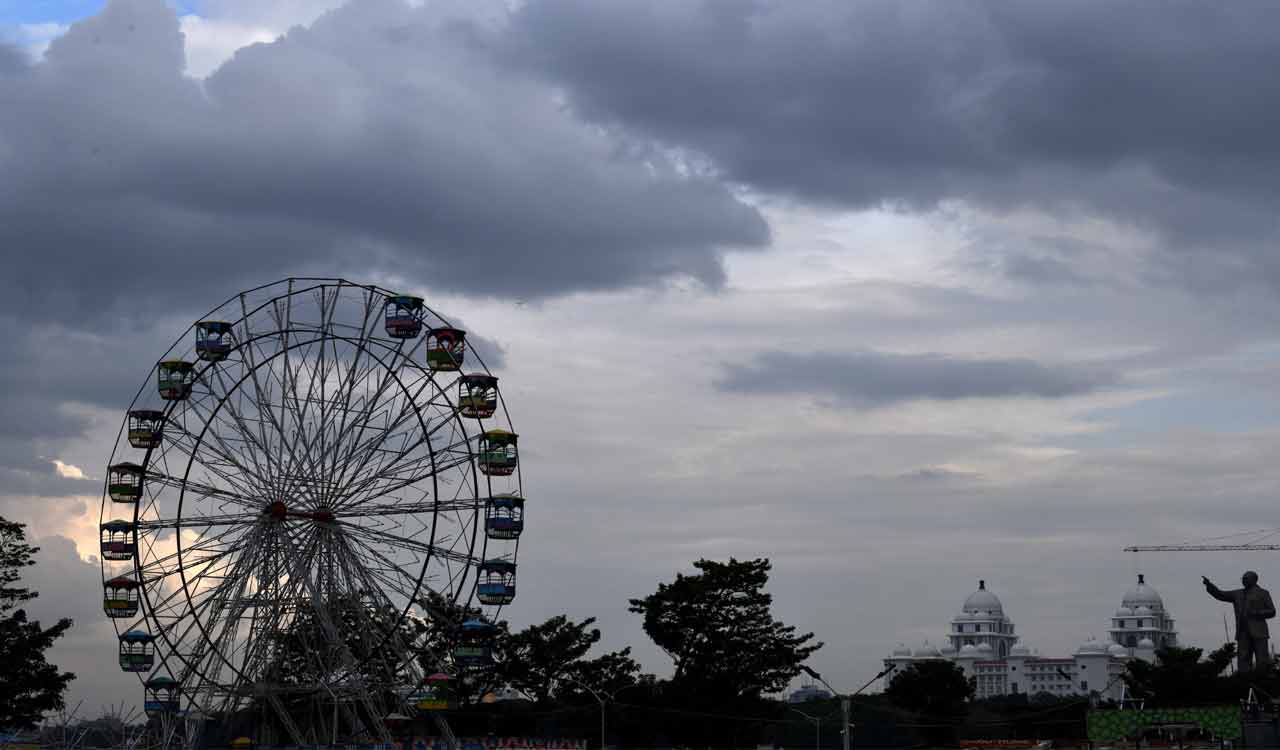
844, 699
596, 694
817, 724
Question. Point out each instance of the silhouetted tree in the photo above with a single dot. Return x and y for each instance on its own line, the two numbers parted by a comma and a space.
933, 687
547, 660
718, 629
1179, 677
29, 685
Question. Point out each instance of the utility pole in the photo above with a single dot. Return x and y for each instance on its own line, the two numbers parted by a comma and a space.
845, 699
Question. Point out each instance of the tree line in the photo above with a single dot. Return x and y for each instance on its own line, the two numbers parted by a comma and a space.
730, 660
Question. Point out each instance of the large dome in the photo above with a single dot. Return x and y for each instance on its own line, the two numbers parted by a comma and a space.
1142, 595
983, 601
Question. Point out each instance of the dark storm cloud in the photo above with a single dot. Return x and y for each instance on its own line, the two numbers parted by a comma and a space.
871, 379
381, 137
1158, 114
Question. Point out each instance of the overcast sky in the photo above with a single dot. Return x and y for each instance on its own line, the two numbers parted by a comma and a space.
899, 295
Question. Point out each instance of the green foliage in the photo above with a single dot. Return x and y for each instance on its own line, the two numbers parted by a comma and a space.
29, 685
1179, 677
718, 629
547, 660
609, 673
934, 687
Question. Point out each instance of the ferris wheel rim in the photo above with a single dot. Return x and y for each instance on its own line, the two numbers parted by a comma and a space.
481, 491
422, 569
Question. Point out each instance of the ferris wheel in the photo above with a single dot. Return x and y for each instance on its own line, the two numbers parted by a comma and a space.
305, 475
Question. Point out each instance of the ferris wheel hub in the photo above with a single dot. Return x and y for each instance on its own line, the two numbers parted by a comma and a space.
277, 510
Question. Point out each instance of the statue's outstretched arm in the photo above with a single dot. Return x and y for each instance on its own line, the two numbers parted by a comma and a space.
1217, 593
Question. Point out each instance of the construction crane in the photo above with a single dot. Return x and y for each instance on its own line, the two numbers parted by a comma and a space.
1244, 541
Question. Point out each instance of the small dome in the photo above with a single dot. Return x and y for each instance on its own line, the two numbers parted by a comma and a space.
1142, 595
1124, 612
1116, 649
984, 648
1092, 646
968, 650
947, 650
1146, 643
1019, 650
983, 602
901, 650
1143, 611
926, 652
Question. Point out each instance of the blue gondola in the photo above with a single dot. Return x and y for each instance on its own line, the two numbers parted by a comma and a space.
475, 644
162, 696
137, 651
497, 582
504, 516
213, 340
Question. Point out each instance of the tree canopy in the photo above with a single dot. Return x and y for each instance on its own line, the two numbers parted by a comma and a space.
718, 628
548, 660
934, 687
29, 684
1180, 677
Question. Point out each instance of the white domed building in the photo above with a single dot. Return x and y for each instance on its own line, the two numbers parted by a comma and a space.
1142, 625
983, 641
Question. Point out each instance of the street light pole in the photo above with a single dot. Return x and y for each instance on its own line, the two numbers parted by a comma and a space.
596, 694
846, 698
817, 723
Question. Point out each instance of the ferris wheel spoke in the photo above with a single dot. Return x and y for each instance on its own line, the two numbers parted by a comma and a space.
401, 582
375, 363
201, 609
304, 467
202, 490
401, 477
218, 462
402, 652
409, 509
259, 454
229, 519
366, 534
214, 471
202, 543
261, 397
417, 472
409, 411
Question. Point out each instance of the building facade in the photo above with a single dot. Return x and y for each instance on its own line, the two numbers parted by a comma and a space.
983, 641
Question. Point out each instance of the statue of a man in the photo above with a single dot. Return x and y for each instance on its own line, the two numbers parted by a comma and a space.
1253, 608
